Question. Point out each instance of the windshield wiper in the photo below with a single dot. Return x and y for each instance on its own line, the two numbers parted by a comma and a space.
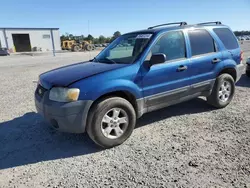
94, 60
105, 60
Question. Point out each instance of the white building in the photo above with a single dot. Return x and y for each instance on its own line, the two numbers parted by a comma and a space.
30, 39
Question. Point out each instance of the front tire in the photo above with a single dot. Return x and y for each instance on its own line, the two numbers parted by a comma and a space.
223, 91
111, 121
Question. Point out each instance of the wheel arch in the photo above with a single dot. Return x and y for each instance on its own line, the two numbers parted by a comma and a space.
229, 70
120, 93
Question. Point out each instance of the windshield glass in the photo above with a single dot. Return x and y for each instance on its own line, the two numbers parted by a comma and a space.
125, 49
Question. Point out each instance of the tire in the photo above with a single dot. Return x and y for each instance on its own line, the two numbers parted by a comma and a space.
248, 73
76, 48
216, 97
88, 47
97, 126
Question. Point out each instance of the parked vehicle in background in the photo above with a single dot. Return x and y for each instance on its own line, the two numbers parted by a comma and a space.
4, 52
248, 67
163, 66
242, 38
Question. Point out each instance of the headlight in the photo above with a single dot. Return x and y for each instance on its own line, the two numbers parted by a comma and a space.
61, 94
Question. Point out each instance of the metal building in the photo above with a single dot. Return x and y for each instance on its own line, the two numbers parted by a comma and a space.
30, 39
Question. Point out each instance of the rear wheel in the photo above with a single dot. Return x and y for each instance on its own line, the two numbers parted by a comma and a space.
88, 47
76, 48
111, 122
223, 91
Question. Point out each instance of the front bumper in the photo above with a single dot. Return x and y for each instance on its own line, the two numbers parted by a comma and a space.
240, 69
66, 117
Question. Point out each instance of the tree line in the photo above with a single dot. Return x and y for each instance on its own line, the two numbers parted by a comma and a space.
241, 33
100, 40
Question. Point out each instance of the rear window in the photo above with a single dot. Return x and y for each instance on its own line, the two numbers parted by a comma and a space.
227, 38
201, 42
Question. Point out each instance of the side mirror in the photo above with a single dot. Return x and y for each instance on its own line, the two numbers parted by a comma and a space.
157, 59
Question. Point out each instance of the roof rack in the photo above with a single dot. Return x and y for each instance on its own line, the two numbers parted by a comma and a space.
180, 23
205, 23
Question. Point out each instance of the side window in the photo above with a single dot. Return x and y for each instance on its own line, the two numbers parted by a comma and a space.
227, 38
201, 42
172, 44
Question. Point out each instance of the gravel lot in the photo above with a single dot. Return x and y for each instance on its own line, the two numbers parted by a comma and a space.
186, 145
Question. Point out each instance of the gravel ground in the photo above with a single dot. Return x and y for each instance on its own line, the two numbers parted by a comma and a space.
186, 145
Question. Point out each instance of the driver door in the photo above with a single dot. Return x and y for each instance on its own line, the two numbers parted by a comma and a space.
168, 82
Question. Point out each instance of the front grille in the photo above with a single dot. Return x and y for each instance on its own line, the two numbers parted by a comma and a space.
40, 90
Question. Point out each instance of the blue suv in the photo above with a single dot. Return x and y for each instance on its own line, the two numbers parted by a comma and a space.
140, 72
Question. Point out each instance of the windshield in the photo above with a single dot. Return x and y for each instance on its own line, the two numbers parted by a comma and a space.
125, 49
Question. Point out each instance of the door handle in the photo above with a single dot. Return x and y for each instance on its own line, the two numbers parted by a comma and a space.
231, 53
182, 68
216, 60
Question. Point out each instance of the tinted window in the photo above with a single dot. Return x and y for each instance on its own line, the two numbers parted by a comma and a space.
227, 38
171, 44
201, 42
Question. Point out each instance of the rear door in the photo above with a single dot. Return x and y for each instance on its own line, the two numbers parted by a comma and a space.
205, 59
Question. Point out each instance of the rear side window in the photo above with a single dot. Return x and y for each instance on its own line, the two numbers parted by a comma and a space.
227, 38
201, 42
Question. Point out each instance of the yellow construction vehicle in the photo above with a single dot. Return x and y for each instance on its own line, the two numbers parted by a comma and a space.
67, 44
76, 46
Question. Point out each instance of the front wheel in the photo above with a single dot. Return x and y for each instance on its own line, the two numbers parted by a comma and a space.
111, 122
223, 91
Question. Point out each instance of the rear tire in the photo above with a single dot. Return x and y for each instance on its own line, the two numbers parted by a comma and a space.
223, 91
111, 121
88, 47
76, 49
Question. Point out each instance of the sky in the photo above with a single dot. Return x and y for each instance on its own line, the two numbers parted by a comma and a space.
104, 17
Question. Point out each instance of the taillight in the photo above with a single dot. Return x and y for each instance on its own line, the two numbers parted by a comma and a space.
241, 55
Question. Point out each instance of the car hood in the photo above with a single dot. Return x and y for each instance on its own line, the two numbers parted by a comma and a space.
67, 75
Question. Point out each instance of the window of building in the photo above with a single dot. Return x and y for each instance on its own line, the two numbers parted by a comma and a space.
46, 36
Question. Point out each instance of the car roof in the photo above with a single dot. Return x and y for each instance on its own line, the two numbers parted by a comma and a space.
170, 28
